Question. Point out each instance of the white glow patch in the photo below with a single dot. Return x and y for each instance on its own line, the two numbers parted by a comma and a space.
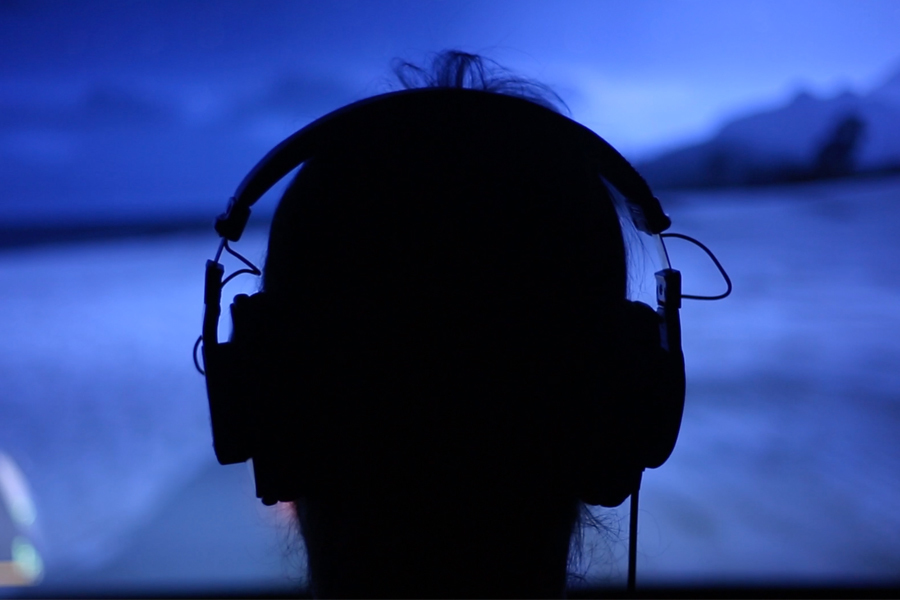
15, 493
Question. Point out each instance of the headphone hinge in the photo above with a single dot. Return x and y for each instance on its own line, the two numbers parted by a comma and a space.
230, 224
653, 221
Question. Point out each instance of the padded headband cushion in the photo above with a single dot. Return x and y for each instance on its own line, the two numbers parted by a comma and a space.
397, 111
412, 109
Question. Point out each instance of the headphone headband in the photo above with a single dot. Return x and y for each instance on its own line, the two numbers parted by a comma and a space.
337, 129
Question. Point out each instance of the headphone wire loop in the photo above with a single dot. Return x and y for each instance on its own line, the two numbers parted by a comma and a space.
197, 362
251, 269
715, 261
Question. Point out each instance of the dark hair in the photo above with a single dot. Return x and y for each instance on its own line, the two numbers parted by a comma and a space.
466, 269
462, 70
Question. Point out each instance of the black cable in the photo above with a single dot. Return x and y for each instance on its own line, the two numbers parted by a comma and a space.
239, 272
632, 535
197, 362
252, 268
219, 251
714, 259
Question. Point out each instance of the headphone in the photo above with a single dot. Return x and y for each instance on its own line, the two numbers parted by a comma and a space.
245, 426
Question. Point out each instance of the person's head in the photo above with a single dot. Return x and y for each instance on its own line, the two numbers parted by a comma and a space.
446, 288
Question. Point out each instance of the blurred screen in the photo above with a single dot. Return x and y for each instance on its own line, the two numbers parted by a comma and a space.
767, 129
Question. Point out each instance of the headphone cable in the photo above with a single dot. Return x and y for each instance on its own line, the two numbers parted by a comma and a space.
632, 534
251, 270
709, 253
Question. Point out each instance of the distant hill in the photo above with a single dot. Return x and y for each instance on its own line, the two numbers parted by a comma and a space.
809, 138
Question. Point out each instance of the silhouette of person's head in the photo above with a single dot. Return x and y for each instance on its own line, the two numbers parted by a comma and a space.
443, 290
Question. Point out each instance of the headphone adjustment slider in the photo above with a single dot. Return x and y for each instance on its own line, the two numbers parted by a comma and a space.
212, 297
668, 300
668, 288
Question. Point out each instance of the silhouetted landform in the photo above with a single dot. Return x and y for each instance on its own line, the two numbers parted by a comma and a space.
808, 139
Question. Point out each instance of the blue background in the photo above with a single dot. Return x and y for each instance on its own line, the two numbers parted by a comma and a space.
118, 116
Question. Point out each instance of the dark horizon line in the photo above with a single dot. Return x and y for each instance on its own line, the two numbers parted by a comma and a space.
16, 236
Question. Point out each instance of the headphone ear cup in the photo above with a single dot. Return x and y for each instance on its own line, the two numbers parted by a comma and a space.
227, 405
270, 411
659, 384
639, 413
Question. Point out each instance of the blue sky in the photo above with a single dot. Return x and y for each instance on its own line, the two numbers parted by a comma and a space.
89, 82
668, 69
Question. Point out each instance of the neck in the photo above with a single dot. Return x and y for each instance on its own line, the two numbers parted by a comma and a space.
434, 549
